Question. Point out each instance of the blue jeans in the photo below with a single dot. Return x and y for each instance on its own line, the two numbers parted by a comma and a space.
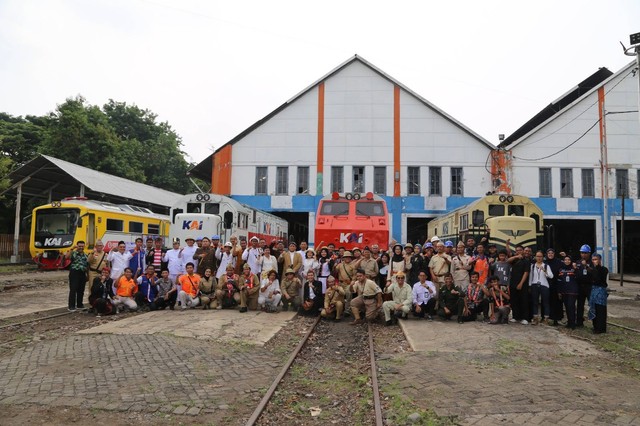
536, 291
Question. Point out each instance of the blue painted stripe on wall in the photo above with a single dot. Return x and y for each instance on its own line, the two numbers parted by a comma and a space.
415, 205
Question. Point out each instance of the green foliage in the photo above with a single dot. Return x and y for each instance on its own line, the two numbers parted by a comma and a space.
118, 139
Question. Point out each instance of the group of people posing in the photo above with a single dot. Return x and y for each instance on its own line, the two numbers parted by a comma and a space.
436, 278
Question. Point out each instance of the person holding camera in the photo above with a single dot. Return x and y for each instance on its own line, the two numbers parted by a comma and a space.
539, 277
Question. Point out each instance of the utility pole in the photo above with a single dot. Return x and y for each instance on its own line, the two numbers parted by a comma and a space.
622, 197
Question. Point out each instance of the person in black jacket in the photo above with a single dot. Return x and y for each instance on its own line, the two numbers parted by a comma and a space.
102, 294
312, 299
555, 301
598, 297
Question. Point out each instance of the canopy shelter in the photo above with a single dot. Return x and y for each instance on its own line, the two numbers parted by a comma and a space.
49, 179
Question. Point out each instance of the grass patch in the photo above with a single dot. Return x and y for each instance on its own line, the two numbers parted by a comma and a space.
398, 407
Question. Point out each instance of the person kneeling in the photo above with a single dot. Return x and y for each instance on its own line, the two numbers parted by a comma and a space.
451, 299
270, 296
167, 293
227, 291
126, 288
402, 298
102, 294
311, 295
499, 302
424, 297
147, 289
207, 289
333, 300
249, 285
475, 301
369, 299
189, 282
290, 287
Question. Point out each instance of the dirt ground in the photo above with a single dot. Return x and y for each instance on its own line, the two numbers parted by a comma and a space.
575, 366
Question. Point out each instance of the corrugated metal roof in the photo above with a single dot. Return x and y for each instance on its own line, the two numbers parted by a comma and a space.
45, 173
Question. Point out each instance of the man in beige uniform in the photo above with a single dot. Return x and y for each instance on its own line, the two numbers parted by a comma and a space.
290, 288
333, 299
97, 261
346, 274
402, 299
369, 264
369, 299
249, 285
439, 265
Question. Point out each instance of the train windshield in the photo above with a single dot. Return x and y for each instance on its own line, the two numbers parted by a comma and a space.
516, 210
335, 208
368, 208
496, 210
50, 222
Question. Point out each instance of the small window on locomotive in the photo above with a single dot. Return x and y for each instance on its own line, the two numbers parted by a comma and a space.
194, 207
496, 210
135, 227
335, 208
153, 229
212, 208
368, 208
115, 225
516, 210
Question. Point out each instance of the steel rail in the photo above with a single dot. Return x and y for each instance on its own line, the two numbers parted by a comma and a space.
17, 324
265, 399
374, 380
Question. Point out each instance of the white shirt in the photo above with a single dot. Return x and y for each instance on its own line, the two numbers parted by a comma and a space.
119, 261
250, 255
268, 264
187, 256
421, 294
174, 258
273, 288
225, 259
537, 276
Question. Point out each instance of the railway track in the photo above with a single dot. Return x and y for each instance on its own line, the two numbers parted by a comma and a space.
277, 382
48, 314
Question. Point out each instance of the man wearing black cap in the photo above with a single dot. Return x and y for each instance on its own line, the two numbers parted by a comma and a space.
156, 254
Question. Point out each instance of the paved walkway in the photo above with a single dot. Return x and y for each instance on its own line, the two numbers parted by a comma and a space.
195, 362
255, 328
512, 374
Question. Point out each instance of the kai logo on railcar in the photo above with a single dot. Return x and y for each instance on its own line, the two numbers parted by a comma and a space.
351, 237
194, 225
52, 242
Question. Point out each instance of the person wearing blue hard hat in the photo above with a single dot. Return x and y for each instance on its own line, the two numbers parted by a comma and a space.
585, 276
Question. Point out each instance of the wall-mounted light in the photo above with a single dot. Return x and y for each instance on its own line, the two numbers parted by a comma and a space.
396, 176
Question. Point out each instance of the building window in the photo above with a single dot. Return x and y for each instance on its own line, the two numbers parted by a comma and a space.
456, 181
622, 183
261, 180
282, 180
358, 179
566, 183
413, 180
435, 181
337, 179
545, 182
587, 183
303, 180
380, 180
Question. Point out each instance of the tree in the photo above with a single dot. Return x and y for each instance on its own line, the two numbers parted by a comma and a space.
160, 154
20, 138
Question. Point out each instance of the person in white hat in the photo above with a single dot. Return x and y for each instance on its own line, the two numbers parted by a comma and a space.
226, 258
173, 259
188, 252
251, 254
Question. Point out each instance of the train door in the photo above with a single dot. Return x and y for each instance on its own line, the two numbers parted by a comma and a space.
91, 230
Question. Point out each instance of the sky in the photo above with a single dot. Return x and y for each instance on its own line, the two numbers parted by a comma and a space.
213, 68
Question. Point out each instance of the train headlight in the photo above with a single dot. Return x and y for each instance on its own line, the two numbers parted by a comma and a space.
348, 196
502, 198
67, 243
37, 244
510, 198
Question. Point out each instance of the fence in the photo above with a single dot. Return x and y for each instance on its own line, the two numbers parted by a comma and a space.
6, 246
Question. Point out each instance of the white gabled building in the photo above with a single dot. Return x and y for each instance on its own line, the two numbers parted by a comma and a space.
355, 129
576, 158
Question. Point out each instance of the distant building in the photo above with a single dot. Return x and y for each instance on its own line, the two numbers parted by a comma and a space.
354, 130
358, 129
576, 159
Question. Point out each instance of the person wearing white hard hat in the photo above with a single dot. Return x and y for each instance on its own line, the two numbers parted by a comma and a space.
252, 254
225, 258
